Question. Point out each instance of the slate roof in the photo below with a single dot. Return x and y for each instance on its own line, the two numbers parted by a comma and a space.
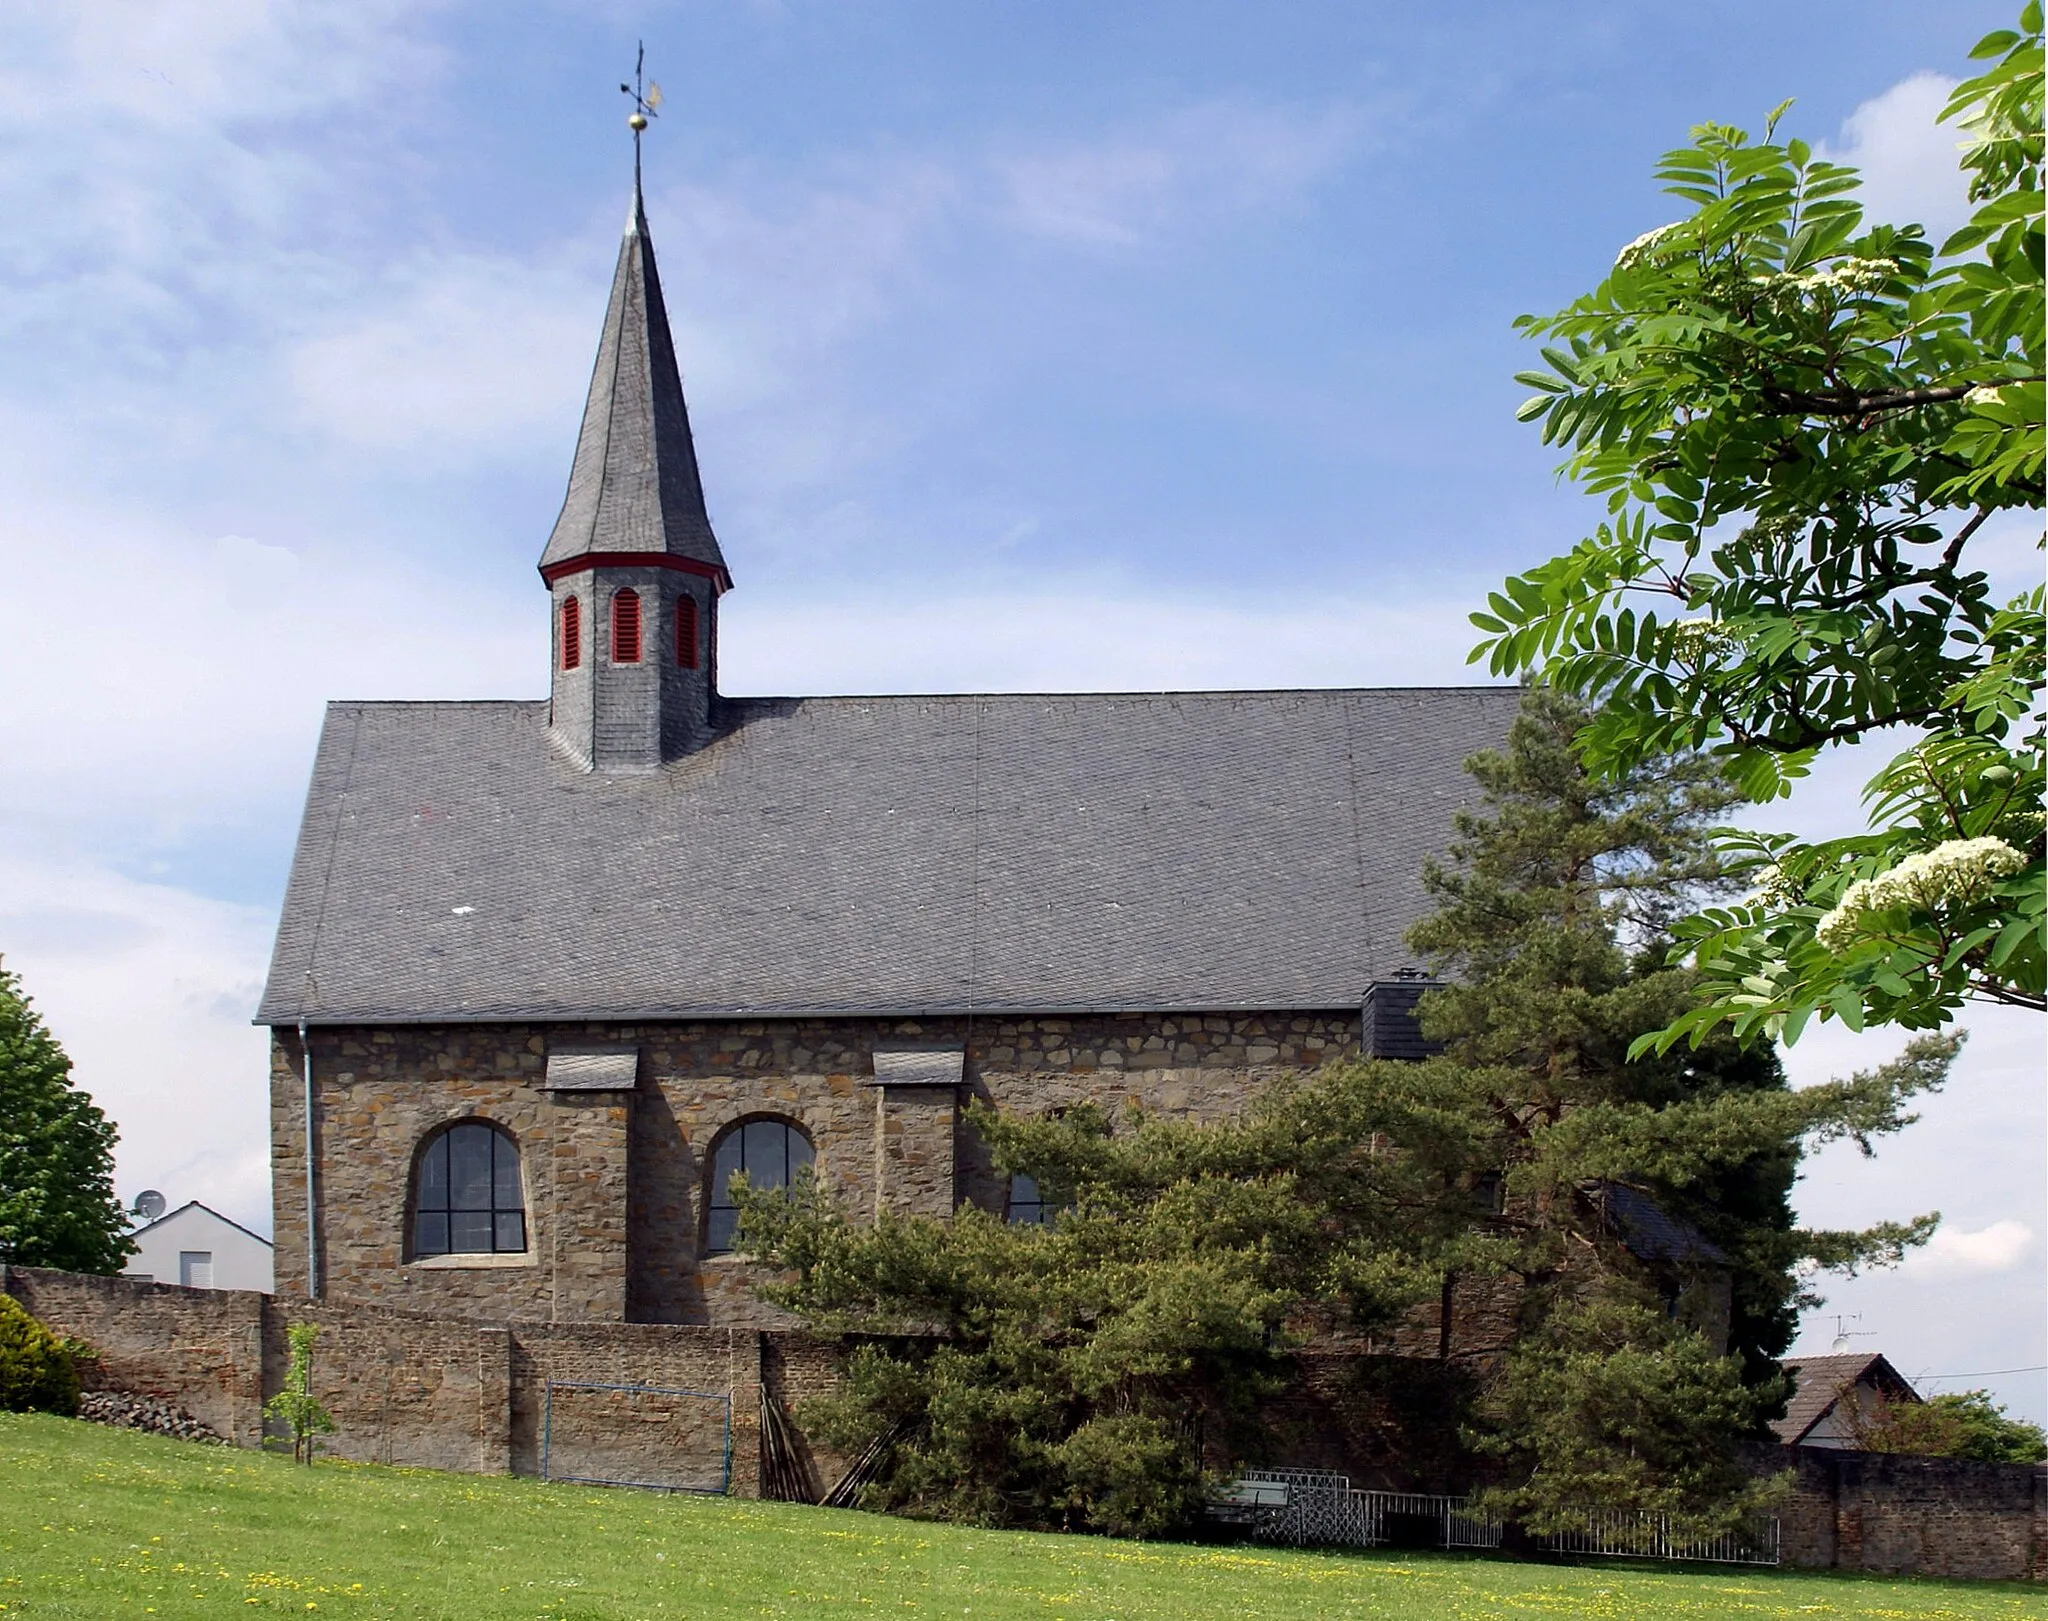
896, 855
1818, 1382
1651, 1232
634, 485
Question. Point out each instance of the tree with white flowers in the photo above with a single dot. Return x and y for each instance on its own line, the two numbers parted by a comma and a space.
1806, 426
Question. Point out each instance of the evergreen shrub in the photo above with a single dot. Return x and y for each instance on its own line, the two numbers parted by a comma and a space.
38, 1369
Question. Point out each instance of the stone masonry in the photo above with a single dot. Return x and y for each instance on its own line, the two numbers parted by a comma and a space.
615, 1181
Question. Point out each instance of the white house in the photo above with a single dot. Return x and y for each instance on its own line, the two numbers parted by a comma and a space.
201, 1249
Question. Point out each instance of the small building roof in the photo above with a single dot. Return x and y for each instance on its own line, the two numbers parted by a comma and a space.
170, 1216
889, 856
1819, 1382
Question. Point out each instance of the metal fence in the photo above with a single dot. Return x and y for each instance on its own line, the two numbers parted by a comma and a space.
1641, 1534
1317, 1507
636, 1435
1322, 1507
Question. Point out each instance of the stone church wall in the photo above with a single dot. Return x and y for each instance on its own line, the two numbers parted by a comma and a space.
615, 1181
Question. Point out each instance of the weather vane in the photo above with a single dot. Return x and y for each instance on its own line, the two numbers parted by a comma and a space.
646, 104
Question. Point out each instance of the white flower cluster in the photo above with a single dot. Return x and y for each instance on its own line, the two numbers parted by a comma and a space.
1773, 889
1955, 871
1843, 278
1695, 640
1639, 251
1851, 276
1985, 394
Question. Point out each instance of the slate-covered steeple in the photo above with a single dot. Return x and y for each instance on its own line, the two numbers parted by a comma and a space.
633, 569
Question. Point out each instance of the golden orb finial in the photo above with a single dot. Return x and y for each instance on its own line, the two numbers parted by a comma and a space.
646, 99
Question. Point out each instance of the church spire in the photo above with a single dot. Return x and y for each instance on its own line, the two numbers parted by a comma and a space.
633, 570
634, 486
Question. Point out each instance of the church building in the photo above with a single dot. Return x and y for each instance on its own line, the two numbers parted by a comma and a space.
549, 972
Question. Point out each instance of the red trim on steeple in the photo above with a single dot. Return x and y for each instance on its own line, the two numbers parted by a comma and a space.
572, 634
552, 572
687, 656
626, 627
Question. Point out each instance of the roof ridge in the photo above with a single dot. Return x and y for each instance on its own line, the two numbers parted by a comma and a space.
952, 697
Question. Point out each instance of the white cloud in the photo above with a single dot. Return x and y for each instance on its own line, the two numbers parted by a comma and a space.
460, 352
2000, 1247
1188, 169
1909, 162
203, 237
129, 140
209, 662
174, 62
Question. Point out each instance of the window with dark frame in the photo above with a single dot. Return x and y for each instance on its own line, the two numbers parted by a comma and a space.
626, 627
468, 1200
686, 633
1028, 1207
771, 1152
572, 633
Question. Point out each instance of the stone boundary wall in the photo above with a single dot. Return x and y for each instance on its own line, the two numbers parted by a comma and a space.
404, 1387
459, 1393
1902, 1516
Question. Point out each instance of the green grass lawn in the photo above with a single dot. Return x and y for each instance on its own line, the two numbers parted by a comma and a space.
97, 1522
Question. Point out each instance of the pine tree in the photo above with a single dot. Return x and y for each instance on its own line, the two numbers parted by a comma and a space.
1550, 927
1056, 1376
1551, 918
57, 1204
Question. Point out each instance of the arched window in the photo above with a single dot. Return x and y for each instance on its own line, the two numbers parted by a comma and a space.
572, 633
1028, 1207
771, 1152
467, 1199
626, 627
686, 633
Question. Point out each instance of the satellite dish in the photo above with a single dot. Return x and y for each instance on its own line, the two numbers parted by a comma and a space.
149, 1204
1844, 1334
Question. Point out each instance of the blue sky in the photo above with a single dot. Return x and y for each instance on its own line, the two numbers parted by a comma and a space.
1029, 345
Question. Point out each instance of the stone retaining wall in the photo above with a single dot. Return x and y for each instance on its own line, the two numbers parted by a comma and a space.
404, 1387
460, 1393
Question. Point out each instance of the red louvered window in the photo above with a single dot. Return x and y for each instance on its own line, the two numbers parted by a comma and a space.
626, 627
572, 634
686, 633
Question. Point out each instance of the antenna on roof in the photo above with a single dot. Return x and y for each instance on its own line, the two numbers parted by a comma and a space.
1844, 1334
149, 1204
646, 104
